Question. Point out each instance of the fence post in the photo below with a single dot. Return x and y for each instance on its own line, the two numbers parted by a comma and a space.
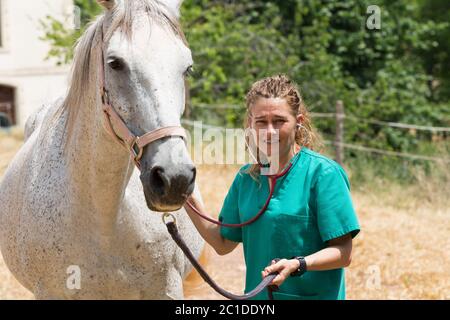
339, 138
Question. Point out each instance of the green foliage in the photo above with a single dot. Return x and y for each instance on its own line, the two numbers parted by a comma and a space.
437, 61
399, 73
230, 52
61, 37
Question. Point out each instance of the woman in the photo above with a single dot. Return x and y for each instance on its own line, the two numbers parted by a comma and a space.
310, 221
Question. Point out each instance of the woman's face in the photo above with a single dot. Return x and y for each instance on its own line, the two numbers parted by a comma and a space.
274, 123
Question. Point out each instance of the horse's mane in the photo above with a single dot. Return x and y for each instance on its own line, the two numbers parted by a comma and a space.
84, 81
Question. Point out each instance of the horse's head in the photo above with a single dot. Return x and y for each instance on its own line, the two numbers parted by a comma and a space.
145, 62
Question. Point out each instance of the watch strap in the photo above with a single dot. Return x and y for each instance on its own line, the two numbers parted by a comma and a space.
302, 267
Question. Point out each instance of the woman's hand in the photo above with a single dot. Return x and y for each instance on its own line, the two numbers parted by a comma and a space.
210, 232
284, 267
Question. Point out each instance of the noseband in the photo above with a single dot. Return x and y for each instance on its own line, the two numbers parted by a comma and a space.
117, 128
119, 131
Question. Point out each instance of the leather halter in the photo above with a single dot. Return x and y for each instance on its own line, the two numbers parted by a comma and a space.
117, 128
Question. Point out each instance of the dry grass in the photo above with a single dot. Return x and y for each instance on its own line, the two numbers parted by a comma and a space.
10, 142
401, 253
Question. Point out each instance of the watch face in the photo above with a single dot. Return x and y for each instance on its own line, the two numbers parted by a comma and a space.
302, 262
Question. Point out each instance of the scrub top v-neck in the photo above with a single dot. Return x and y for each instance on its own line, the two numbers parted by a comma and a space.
310, 205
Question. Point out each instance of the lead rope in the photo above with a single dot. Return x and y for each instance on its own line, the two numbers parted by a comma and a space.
265, 283
130, 141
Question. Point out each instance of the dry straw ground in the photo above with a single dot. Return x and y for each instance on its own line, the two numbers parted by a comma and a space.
403, 251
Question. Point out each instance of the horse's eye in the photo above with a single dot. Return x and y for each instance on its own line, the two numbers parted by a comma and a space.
116, 64
189, 71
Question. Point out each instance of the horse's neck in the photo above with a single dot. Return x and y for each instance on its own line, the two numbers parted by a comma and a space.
99, 169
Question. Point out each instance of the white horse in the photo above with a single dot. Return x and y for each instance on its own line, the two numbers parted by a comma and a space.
77, 221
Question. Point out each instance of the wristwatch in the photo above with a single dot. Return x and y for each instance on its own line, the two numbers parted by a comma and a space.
301, 269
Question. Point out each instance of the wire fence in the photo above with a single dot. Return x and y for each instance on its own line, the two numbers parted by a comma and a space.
390, 153
345, 116
385, 123
339, 144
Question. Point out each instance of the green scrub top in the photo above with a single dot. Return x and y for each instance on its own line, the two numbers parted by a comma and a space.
311, 205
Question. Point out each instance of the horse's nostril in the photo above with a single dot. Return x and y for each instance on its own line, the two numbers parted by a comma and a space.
158, 180
171, 185
194, 173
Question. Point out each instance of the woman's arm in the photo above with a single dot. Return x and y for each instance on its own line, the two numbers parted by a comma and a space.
337, 255
209, 231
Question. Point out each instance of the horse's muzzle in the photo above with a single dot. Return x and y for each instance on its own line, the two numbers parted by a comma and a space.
166, 188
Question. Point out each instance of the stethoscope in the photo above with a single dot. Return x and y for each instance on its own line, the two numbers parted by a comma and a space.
173, 231
273, 179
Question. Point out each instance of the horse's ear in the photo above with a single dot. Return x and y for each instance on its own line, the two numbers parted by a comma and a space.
107, 4
174, 5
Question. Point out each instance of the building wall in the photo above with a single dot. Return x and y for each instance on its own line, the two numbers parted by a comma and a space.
23, 63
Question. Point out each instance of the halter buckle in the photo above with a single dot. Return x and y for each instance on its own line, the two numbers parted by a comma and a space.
105, 96
136, 150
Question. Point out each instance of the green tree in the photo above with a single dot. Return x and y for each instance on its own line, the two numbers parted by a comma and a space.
398, 73
62, 38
